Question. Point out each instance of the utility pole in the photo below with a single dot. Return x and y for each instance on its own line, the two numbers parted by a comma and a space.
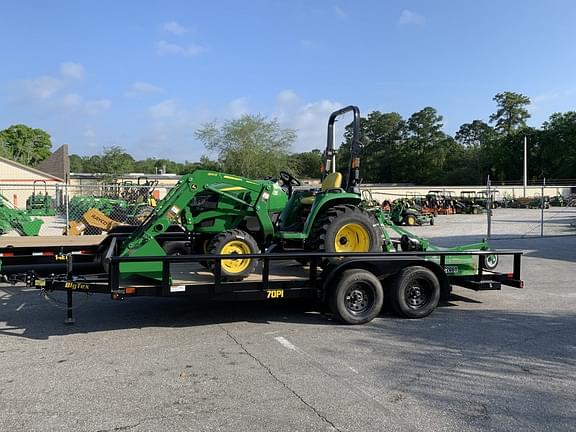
525, 164
489, 202
542, 203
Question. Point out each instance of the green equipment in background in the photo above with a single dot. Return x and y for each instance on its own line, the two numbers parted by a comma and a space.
12, 218
404, 213
40, 204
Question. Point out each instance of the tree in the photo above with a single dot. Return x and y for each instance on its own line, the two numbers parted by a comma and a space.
115, 161
427, 147
250, 146
76, 163
558, 146
383, 137
308, 163
475, 138
512, 113
24, 144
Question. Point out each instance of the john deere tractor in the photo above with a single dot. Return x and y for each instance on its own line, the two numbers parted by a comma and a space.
228, 214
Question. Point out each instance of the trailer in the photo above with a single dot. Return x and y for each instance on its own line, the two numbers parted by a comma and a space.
353, 286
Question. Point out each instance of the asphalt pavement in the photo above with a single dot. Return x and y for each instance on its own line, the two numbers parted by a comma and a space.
488, 361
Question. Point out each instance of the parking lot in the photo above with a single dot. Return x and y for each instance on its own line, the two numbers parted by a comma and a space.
497, 360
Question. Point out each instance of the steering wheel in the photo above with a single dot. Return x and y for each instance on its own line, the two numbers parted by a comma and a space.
289, 181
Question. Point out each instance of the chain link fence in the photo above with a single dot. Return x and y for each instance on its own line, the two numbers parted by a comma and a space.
539, 211
96, 207
85, 209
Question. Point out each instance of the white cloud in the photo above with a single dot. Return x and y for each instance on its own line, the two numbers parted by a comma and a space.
71, 100
167, 48
43, 87
97, 106
287, 97
238, 107
72, 70
141, 87
174, 28
340, 12
308, 119
89, 133
407, 17
171, 131
163, 110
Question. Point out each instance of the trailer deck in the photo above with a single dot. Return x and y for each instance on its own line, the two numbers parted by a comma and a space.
50, 241
354, 285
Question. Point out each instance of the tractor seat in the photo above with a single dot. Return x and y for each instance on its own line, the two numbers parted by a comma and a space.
331, 182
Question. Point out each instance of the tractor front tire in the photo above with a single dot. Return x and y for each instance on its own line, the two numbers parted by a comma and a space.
410, 220
346, 228
234, 242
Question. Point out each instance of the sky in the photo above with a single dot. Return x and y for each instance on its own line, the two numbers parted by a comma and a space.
146, 75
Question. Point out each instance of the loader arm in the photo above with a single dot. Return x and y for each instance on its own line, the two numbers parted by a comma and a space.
175, 206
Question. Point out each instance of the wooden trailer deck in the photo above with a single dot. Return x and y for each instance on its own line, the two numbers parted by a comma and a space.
50, 241
195, 274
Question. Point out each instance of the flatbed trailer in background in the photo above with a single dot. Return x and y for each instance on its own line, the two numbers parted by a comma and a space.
353, 285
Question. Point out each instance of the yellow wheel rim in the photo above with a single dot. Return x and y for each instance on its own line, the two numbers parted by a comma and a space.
411, 220
235, 265
352, 238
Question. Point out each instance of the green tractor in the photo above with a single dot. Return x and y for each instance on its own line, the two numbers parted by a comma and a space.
403, 212
232, 215
40, 204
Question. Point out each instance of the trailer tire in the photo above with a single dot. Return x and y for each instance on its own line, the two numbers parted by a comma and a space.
357, 297
234, 242
415, 292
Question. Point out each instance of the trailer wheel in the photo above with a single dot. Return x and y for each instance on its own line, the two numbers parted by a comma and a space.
234, 242
357, 297
415, 292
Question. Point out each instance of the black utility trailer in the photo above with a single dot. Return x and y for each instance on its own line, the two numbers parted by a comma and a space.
354, 286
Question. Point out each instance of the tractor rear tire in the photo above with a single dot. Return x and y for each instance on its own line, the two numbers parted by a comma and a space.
346, 228
234, 242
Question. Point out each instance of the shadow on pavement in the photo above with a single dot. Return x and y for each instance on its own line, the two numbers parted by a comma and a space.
27, 314
493, 369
